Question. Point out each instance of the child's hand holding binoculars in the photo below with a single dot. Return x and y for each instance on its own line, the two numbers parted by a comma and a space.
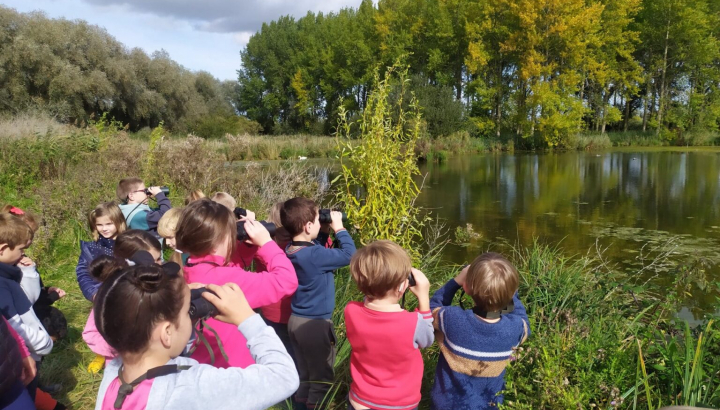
230, 302
421, 289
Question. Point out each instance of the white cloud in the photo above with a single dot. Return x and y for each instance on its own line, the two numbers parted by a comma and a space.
205, 35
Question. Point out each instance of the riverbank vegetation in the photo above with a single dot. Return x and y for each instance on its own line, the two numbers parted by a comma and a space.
600, 340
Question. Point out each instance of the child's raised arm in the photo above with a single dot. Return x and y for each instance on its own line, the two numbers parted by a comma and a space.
272, 379
424, 333
335, 258
153, 217
520, 312
445, 295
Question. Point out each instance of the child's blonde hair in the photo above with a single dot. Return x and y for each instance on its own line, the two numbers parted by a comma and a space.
194, 196
112, 211
274, 214
25, 216
167, 225
225, 199
14, 231
491, 282
282, 236
380, 267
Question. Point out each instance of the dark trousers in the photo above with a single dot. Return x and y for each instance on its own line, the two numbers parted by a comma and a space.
313, 341
281, 329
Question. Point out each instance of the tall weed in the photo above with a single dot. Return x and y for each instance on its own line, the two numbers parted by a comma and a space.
378, 188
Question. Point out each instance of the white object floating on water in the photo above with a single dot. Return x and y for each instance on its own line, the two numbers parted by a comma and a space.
302, 158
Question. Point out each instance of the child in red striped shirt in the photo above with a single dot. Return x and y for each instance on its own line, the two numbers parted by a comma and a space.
385, 364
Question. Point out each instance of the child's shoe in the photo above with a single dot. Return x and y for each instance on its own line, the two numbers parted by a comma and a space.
97, 364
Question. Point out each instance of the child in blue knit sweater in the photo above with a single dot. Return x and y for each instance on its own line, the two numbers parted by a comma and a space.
477, 344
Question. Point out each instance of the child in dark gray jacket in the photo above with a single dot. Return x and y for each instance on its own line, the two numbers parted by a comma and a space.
143, 313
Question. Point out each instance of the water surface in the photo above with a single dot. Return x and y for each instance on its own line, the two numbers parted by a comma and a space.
632, 204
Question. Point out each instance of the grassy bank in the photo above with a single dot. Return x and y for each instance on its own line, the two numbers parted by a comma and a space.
599, 339
293, 147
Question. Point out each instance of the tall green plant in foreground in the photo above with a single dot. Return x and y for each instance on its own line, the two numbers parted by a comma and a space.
378, 188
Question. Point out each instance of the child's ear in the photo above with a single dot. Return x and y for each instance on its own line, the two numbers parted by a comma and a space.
404, 286
4, 247
166, 334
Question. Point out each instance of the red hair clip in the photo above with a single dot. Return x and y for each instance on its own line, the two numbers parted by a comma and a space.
17, 211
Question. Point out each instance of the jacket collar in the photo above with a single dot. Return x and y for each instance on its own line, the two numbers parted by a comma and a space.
10, 272
213, 259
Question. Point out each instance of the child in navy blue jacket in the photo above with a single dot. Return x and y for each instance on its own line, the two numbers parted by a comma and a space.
310, 327
477, 344
106, 222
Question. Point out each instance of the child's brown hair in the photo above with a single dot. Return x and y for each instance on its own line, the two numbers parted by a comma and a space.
380, 267
104, 266
225, 199
26, 216
14, 231
194, 196
203, 225
491, 281
126, 186
112, 211
296, 212
133, 240
133, 301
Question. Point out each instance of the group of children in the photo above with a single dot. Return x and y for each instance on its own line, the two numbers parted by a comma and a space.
156, 356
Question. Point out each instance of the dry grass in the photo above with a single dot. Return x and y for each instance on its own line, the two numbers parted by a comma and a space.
61, 178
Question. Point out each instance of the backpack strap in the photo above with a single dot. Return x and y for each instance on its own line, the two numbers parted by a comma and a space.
127, 388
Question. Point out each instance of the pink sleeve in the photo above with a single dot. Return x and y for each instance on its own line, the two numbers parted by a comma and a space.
277, 282
263, 288
94, 339
243, 255
24, 352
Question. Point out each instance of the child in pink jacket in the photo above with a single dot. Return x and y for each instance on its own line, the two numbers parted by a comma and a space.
207, 231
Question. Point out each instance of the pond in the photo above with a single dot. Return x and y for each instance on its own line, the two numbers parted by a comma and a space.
632, 206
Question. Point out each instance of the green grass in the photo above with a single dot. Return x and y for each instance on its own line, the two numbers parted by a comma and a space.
586, 318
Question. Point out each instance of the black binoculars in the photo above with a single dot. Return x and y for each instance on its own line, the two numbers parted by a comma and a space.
240, 212
242, 233
411, 280
165, 190
324, 216
201, 308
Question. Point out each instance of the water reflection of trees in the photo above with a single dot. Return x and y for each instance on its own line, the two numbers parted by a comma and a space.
561, 197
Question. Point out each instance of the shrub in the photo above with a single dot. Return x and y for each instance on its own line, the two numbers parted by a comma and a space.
383, 166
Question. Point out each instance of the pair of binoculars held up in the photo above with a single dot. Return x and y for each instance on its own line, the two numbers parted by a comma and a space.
165, 190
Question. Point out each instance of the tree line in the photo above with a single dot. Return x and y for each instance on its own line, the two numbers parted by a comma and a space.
530, 68
74, 71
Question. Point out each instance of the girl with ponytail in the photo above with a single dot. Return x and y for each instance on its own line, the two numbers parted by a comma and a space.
143, 312
126, 245
208, 232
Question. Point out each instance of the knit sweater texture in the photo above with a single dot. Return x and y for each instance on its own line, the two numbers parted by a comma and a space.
474, 353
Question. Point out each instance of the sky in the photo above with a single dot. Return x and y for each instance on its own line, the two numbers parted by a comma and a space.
199, 34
